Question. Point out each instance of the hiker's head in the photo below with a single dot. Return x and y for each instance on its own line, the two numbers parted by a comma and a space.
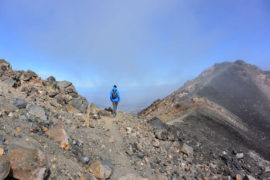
114, 86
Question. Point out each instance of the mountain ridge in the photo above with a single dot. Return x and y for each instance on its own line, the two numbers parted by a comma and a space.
239, 91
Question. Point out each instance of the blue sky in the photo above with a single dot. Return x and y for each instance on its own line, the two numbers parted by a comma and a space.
149, 48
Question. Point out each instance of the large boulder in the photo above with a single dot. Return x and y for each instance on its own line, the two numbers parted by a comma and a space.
71, 90
67, 87
50, 81
63, 85
80, 103
28, 163
4, 167
36, 113
28, 75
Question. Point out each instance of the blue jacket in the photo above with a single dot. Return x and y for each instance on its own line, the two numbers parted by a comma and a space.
118, 95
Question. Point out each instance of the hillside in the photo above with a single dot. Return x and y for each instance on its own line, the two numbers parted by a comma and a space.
228, 105
49, 131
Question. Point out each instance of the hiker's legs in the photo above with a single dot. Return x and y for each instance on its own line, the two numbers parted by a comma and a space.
114, 107
116, 104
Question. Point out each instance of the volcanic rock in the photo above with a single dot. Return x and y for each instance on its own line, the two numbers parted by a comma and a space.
239, 155
10, 82
238, 177
93, 111
100, 170
4, 65
186, 149
80, 103
50, 81
59, 134
36, 113
161, 134
27, 163
28, 75
19, 103
4, 167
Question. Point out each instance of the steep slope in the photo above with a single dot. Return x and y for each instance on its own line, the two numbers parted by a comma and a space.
231, 100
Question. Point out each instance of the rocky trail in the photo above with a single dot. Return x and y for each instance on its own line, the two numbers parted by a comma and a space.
49, 131
121, 160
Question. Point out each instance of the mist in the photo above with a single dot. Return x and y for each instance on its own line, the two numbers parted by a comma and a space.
148, 48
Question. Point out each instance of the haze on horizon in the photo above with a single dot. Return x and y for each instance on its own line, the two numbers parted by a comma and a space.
148, 48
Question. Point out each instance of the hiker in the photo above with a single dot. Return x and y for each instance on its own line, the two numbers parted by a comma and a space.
115, 98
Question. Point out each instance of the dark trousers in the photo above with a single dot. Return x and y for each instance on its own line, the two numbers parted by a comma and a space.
115, 103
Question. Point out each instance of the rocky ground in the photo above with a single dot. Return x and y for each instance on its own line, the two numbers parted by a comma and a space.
48, 131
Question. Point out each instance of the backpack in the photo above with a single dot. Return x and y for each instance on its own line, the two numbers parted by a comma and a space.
114, 94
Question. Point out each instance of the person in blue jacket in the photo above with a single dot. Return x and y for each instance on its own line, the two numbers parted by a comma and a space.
115, 98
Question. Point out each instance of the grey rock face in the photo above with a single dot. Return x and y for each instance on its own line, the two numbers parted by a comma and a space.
10, 82
67, 88
63, 85
19, 103
80, 103
36, 113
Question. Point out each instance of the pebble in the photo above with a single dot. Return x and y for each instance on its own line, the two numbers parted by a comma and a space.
239, 155
86, 160
129, 130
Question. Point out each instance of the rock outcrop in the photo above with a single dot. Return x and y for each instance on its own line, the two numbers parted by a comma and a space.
64, 92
